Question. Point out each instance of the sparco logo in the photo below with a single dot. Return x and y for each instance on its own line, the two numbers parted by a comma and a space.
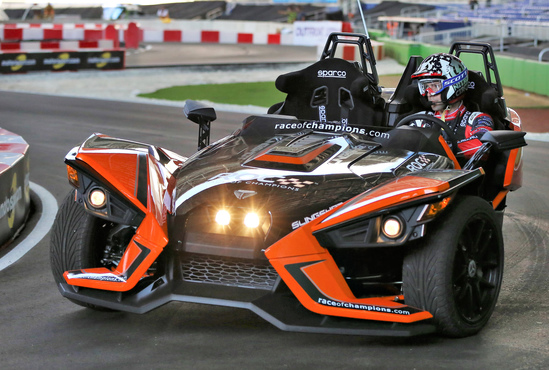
322, 113
331, 74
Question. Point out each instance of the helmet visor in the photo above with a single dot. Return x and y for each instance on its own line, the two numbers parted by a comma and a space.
431, 86
434, 86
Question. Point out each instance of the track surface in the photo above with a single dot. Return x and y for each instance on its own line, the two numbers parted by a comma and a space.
41, 329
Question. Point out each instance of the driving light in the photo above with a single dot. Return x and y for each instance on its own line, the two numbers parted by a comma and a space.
97, 198
392, 227
251, 220
223, 217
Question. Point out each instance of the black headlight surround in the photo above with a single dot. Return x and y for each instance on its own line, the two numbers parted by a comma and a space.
365, 231
116, 209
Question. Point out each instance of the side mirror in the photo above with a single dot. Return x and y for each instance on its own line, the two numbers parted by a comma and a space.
504, 140
203, 115
199, 112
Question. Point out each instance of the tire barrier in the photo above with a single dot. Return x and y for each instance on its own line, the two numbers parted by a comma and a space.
14, 185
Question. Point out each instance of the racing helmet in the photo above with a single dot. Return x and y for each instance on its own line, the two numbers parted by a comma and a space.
443, 74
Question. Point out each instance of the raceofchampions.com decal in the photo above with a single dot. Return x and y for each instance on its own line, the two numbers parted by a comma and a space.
296, 270
332, 127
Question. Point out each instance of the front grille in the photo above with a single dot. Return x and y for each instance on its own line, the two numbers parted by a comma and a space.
227, 271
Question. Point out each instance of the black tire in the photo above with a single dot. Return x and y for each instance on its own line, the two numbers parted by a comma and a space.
456, 273
73, 238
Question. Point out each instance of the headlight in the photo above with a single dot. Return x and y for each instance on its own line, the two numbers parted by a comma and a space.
97, 198
251, 220
223, 217
392, 227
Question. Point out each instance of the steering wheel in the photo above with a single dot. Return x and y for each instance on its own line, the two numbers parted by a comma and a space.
437, 122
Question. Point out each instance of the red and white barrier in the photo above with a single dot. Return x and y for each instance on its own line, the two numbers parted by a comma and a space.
55, 45
52, 32
54, 25
217, 37
352, 53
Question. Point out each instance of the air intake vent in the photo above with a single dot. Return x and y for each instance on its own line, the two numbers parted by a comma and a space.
228, 271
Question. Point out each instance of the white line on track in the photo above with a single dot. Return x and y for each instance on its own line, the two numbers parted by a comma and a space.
43, 226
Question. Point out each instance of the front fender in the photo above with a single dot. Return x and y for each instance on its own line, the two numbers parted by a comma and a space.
309, 270
140, 187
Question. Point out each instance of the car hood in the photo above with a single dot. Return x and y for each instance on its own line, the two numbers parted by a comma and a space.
292, 176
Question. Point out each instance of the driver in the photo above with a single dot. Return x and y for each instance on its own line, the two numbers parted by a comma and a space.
442, 79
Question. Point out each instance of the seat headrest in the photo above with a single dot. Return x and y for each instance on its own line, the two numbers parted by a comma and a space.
483, 97
318, 74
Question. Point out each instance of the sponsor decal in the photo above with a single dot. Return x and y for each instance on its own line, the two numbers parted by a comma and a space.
61, 60
100, 277
103, 60
281, 182
56, 61
362, 307
332, 127
454, 80
19, 62
7, 207
243, 194
294, 182
322, 113
307, 219
419, 163
331, 74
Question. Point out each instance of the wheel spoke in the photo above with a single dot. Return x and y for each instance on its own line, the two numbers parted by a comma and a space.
468, 304
485, 243
460, 273
486, 284
476, 232
489, 263
476, 298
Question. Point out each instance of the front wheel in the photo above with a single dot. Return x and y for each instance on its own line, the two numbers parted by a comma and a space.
456, 273
74, 238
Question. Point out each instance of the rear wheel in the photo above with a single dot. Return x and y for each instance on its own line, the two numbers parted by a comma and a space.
456, 273
74, 237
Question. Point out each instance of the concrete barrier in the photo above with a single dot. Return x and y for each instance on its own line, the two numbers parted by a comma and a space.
14, 185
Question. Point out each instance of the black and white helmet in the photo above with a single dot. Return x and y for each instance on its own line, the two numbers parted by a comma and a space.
442, 74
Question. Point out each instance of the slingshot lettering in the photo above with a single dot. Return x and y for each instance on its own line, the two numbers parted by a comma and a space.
297, 224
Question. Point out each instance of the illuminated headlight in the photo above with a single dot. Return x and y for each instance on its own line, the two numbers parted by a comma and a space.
223, 217
97, 198
392, 227
251, 220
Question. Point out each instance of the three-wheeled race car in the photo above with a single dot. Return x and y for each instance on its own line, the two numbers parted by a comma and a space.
328, 214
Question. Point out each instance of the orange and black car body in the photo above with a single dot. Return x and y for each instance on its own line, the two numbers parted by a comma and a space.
307, 223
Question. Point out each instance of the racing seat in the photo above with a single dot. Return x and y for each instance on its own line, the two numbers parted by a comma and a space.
331, 89
406, 98
481, 97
